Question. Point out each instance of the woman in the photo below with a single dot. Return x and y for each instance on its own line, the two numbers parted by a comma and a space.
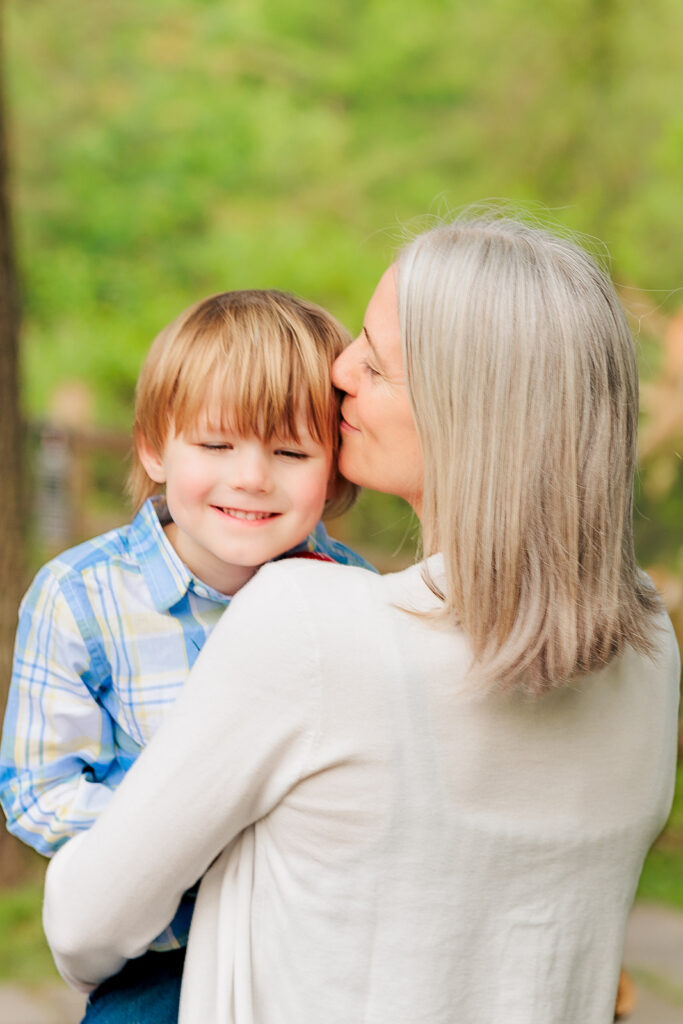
433, 790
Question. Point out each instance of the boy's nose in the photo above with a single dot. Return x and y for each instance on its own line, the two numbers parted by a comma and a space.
250, 472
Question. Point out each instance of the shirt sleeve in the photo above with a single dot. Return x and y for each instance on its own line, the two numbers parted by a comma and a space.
235, 742
58, 743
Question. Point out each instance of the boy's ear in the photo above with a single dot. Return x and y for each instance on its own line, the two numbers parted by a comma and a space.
152, 462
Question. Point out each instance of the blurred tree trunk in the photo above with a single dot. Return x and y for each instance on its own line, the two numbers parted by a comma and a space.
11, 443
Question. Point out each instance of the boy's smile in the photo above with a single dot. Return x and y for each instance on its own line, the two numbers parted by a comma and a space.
237, 502
236, 513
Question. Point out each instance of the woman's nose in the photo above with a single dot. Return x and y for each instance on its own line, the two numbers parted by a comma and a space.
345, 368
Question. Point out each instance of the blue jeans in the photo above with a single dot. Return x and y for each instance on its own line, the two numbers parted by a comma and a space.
145, 991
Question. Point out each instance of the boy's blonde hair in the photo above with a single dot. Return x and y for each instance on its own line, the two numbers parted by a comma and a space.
523, 380
251, 361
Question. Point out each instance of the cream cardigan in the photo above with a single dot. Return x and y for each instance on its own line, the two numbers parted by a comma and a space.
396, 848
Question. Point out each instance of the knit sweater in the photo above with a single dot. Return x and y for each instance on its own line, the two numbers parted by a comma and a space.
380, 842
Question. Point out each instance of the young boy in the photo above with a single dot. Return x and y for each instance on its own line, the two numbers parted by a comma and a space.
236, 416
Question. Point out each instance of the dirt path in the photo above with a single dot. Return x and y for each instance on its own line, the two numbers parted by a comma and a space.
654, 956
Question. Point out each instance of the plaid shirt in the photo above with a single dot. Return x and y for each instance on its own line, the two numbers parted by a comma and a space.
108, 633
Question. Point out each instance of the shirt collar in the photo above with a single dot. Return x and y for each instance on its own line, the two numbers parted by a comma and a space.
167, 577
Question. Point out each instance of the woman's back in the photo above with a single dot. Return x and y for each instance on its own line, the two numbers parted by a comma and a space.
444, 856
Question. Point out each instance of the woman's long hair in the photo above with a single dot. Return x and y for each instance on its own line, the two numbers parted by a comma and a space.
522, 374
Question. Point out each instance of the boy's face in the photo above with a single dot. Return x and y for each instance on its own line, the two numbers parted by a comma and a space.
237, 502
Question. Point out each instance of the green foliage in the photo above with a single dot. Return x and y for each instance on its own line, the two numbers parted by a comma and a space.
24, 953
662, 877
382, 528
187, 147
659, 515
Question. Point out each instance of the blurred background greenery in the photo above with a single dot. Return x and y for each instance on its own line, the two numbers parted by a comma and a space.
166, 150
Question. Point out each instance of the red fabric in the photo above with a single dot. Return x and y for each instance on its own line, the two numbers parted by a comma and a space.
310, 554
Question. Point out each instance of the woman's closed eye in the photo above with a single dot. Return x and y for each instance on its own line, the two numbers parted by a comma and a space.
371, 370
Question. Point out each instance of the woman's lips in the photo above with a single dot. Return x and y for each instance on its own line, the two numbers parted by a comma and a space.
347, 427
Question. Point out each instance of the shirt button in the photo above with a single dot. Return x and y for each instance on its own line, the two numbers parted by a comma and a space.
201, 592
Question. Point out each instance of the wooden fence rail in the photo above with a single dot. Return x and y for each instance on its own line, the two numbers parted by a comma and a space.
77, 481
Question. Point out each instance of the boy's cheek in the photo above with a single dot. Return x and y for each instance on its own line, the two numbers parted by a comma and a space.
311, 495
192, 479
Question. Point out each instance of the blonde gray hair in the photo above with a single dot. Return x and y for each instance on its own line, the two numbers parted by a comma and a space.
522, 376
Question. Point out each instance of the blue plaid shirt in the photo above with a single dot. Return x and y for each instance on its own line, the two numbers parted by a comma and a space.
108, 633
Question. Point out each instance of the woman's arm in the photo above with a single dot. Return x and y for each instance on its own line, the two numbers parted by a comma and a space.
234, 743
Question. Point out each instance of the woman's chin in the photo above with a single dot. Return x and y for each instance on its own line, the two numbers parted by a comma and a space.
351, 471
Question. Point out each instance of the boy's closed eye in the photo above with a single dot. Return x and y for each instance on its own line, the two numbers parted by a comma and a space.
292, 453
225, 445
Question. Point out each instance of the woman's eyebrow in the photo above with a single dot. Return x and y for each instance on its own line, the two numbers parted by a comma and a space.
374, 351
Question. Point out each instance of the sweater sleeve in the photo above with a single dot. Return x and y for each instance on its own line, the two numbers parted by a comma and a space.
233, 745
